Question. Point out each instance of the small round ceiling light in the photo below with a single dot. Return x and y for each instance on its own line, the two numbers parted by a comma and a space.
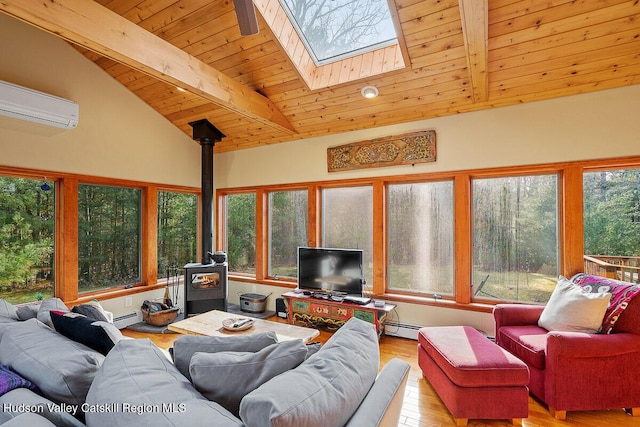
369, 91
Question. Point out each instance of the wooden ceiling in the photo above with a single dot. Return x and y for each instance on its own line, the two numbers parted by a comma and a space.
459, 55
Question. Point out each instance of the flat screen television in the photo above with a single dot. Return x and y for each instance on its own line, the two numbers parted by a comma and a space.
330, 270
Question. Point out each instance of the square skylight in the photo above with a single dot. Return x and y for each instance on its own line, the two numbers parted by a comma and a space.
333, 30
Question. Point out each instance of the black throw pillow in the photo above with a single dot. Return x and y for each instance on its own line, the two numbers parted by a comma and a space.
98, 335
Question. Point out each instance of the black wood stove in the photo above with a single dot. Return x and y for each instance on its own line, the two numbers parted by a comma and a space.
205, 283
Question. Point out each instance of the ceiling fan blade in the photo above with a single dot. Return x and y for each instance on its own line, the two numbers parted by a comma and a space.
247, 19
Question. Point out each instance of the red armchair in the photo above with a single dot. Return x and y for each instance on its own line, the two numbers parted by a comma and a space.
573, 371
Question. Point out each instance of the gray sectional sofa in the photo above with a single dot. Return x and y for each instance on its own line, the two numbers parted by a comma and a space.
259, 383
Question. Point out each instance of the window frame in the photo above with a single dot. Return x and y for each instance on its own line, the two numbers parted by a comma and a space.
269, 237
197, 230
308, 44
28, 174
321, 217
570, 223
558, 175
450, 297
221, 227
139, 249
66, 231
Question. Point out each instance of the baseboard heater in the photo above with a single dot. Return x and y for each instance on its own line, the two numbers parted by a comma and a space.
403, 330
125, 320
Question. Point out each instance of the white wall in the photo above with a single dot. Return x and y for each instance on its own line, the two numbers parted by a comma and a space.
118, 135
590, 126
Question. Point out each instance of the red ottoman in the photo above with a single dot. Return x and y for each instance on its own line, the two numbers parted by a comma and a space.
473, 376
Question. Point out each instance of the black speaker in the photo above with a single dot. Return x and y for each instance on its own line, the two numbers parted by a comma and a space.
281, 308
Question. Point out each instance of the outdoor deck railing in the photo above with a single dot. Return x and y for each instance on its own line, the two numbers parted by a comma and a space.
614, 267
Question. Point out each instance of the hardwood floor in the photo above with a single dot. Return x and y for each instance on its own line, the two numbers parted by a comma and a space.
422, 406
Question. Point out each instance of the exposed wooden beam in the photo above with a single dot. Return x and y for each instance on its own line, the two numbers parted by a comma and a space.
88, 24
475, 28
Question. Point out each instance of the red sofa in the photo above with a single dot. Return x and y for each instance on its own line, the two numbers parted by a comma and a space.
573, 371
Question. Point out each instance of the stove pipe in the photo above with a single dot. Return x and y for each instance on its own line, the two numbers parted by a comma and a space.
207, 135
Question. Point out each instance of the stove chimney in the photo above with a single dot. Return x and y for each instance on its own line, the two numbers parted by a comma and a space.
207, 135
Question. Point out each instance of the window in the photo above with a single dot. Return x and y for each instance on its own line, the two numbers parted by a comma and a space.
288, 214
612, 222
108, 237
27, 215
341, 28
515, 237
347, 222
420, 242
177, 232
241, 232
475, 237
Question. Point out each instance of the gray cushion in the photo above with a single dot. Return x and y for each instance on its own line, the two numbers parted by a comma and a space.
185, 346
326, 389
226, 377
47, 305
46, 408
383, 403
5, 325
62, 369
27, 312
7, 310
136, 372
92, 311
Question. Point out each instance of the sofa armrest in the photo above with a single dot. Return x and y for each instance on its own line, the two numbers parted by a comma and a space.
591, 371
516, 314
381, 406
580, 344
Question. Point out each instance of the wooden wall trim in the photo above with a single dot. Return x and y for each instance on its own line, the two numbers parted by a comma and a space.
149, 236
380, 250
315, 216
571, 221
67, 240
262, 235
462, 238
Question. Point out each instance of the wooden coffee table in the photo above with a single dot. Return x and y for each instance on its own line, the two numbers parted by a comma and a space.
210, 324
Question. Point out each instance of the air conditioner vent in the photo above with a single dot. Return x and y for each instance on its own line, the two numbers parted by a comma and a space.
27, 104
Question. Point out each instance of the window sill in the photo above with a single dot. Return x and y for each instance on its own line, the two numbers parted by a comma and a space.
443, 303
114, 293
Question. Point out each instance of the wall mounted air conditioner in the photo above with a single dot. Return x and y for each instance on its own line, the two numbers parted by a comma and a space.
27, 104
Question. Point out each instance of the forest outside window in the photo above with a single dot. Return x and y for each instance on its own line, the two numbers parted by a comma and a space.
612, 222
421, 237
347, 223
240, 217
108, 237
27, 230
515, 238
288, 213
177, 232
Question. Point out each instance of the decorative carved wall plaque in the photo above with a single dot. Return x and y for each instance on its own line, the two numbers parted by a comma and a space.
410, 148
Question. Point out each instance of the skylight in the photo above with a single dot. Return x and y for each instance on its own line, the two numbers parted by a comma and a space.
337, 29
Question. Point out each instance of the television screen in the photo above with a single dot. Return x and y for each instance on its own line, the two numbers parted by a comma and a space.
330, 270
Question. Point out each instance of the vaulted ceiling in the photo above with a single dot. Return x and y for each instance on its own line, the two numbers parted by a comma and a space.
458, 55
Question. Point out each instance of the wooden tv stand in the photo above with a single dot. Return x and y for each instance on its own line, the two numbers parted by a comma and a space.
307, 311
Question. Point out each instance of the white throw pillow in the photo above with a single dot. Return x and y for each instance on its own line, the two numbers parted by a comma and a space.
571, 308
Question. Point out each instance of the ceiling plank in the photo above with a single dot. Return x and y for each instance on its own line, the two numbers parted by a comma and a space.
90, 25
475, 28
